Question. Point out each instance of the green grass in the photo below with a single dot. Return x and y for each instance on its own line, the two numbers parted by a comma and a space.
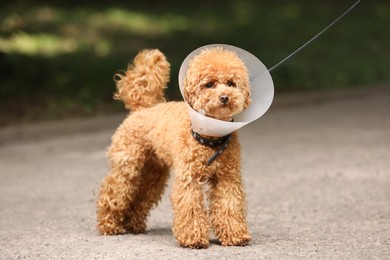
58, 59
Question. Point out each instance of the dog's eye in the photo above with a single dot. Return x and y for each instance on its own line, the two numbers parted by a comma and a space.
231, 83
209, 84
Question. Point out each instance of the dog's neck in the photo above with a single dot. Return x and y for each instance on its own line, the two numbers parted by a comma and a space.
209, 137
213, 142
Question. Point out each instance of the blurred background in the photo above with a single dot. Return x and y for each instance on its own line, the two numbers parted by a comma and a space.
58, 58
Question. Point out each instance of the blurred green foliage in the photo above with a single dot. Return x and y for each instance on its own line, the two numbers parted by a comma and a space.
57, 59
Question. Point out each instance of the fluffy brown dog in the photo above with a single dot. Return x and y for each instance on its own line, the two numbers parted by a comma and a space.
157, 137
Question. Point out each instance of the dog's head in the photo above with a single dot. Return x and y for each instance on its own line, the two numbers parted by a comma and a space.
217, 84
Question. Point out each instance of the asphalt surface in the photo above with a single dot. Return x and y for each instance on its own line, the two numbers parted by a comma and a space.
316, 172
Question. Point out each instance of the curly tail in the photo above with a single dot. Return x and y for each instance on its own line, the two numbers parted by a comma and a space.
143, 84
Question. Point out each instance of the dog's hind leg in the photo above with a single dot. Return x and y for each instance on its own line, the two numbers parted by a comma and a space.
151, 187
120, 187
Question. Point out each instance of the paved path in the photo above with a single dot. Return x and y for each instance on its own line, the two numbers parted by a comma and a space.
316, 171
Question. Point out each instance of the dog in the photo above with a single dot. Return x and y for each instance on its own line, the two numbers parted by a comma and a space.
156, 138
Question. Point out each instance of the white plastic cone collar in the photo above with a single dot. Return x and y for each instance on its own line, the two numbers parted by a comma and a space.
262, 93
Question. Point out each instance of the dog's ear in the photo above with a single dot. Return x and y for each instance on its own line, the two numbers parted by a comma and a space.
248, 101
190, 87
187, 92
245, 87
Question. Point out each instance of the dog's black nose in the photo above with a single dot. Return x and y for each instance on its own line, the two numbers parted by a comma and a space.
224, 99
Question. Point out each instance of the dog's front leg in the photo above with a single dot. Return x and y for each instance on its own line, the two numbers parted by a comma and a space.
190, 227
228, 207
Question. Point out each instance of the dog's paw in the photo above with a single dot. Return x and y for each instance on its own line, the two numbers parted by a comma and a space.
233, 234
192, 232
110, 230
236, 240
190, 242
136, 229
193, 237
136, 225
